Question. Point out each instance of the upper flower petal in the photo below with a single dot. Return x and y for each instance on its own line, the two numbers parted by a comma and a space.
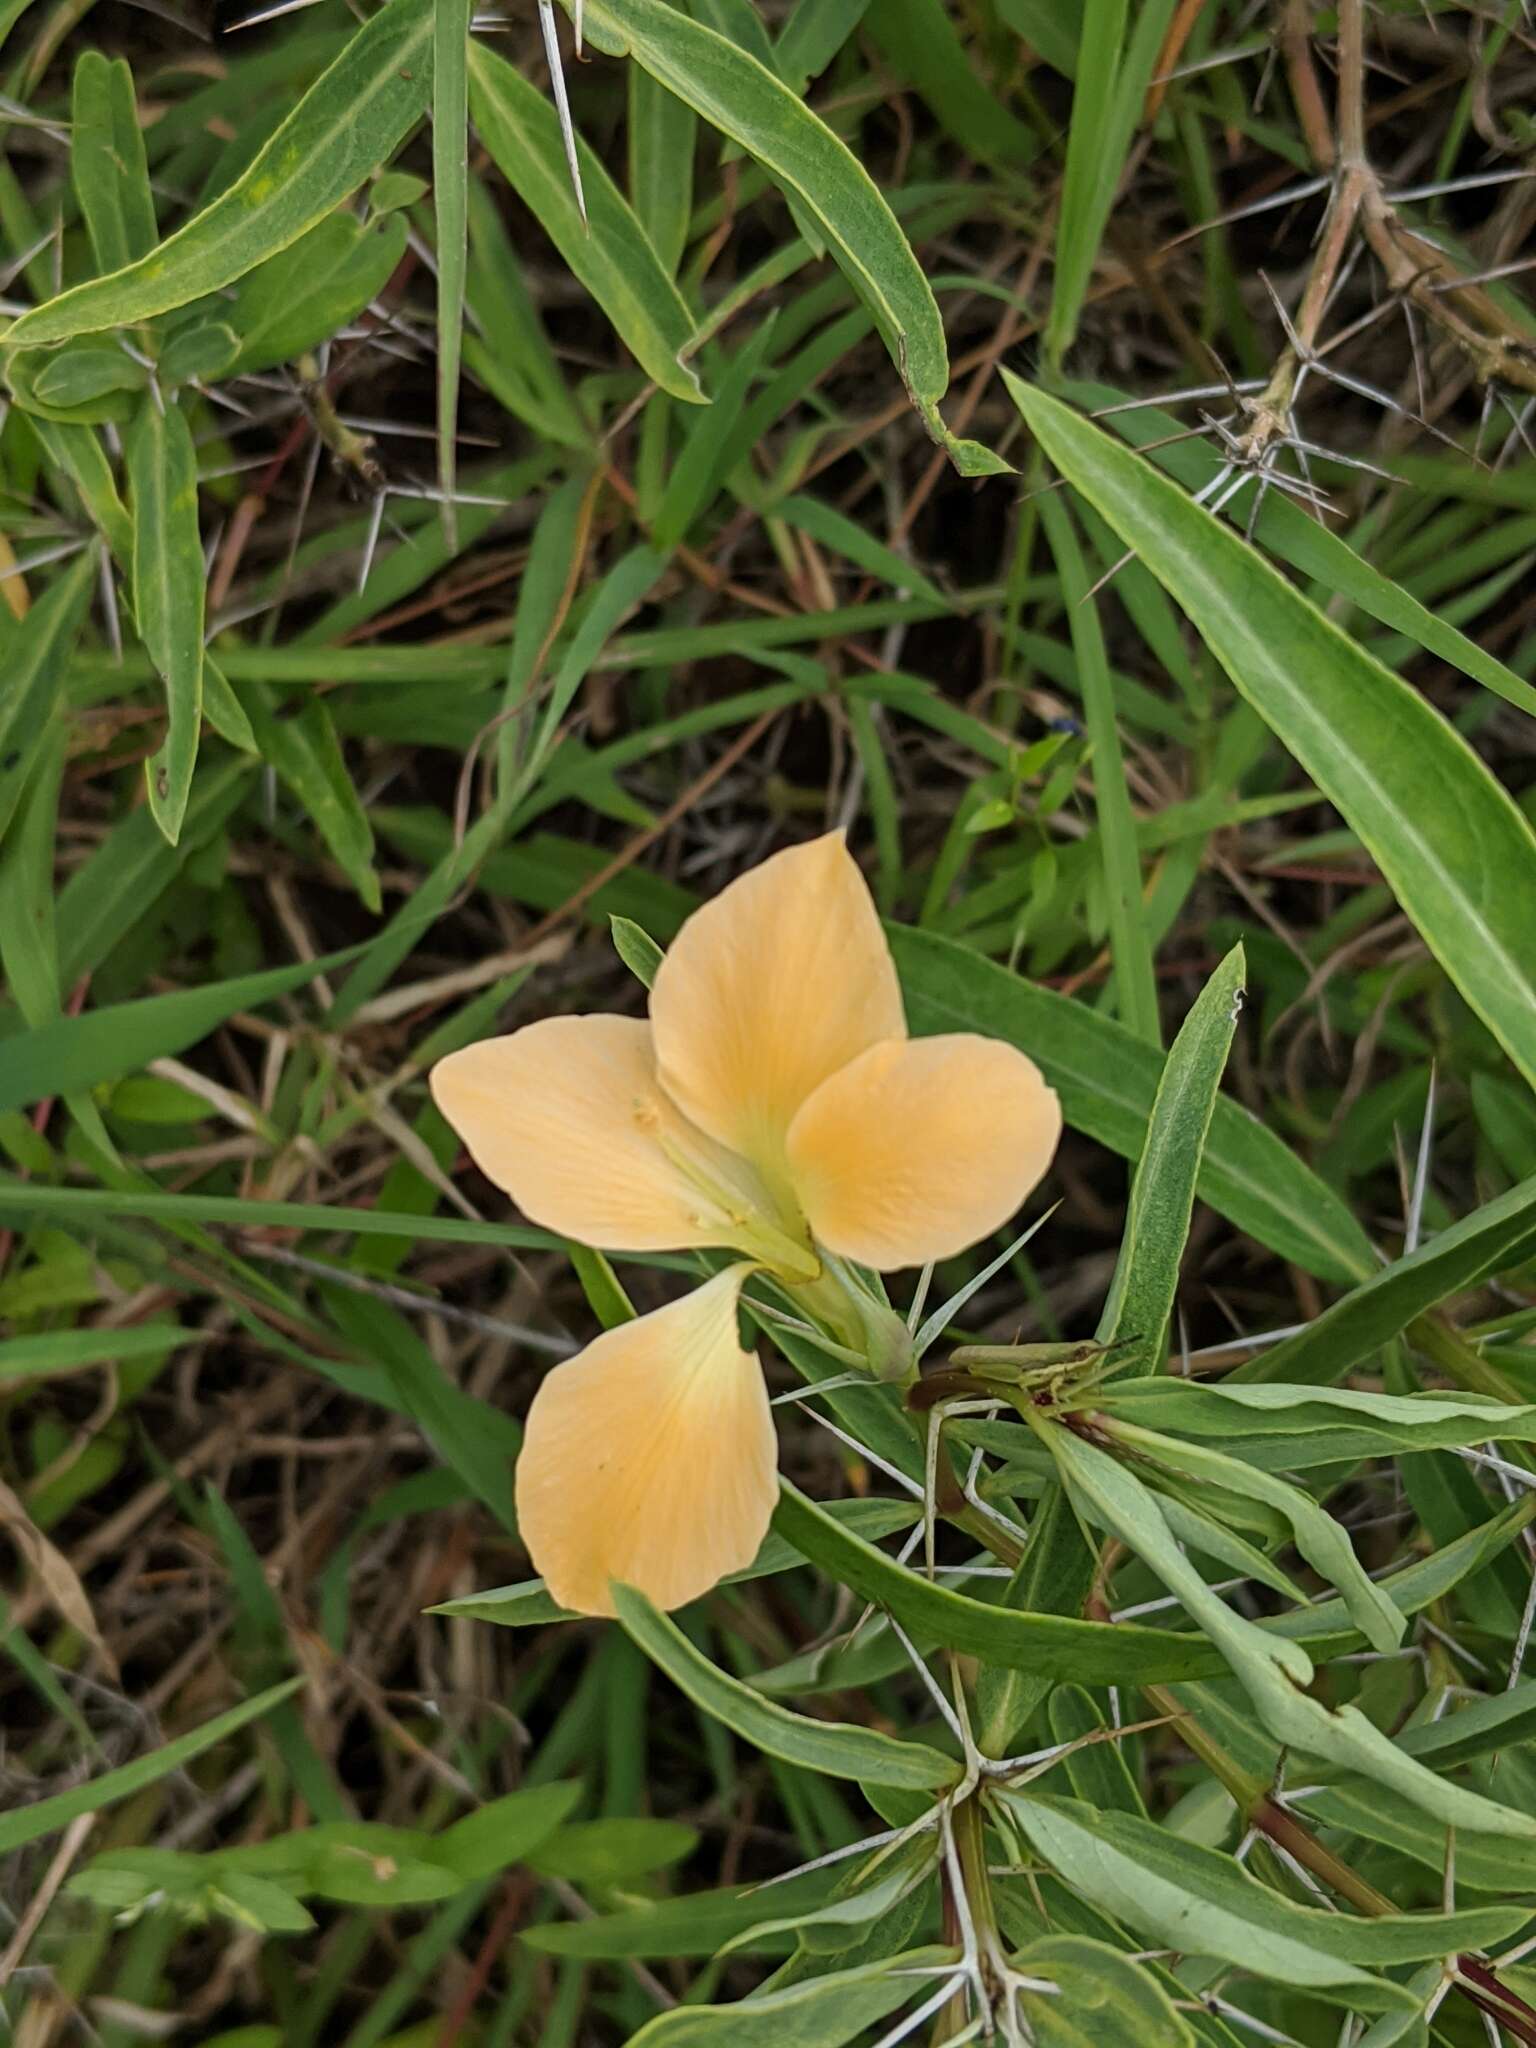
567, 1116
650, 1457
780, 980
919, 1147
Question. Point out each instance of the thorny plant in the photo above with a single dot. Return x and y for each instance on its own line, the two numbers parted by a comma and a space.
1424, 281
329, 1108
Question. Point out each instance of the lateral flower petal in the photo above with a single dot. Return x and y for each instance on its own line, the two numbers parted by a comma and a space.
567, 1117
767, 990
650, 1458
919, 1147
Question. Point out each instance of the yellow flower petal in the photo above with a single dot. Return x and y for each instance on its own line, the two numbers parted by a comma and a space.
650, 1458
780, 980
566, 1115
918, 1148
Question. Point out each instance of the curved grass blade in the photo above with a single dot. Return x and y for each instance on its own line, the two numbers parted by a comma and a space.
450, 206
28, 1823
351, 120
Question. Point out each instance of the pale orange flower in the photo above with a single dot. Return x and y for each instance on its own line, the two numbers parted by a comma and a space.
773, 1106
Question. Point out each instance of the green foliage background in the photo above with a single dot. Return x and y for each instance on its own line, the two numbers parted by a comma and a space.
1084, 447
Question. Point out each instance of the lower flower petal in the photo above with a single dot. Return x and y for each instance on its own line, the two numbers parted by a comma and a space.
919, 1147
650, 1458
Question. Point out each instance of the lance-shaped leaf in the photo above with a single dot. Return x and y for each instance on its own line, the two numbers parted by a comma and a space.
47, 1816
728, 87
835, 1747
1117, 2002
1316, 1534
1216, 1899
107, 164
1456, 852
1291, 1428
1146, 1278
351, 120
1273, 1671
1500, 1234
607, 248
168, 590
824, 2012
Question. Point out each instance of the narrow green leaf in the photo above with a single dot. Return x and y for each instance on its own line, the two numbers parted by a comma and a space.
848, 537
744, 100
823, 2012
608, 250
834, 1747
47, 1353
602, 1287
1047, 1646
168, 592
477, 1441
1456, 852
698, 1924
920, 40
350, 121
308, 291
103, 1045
1502, 1233
107, 164
74, 1206
300, 742
636, 948
46, 1816
1326, 1949
1315, 1533
1314, 549
1273, 1670
1101, 1995
505, 1830
661, 134
1146, 1280
37, 654
1092, 170
1291, 1427
450, 207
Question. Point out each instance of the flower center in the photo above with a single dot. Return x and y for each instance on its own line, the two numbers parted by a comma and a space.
733, 1199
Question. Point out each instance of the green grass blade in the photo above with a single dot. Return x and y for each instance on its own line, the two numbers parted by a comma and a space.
1130, 941
450, 206
29, 1823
